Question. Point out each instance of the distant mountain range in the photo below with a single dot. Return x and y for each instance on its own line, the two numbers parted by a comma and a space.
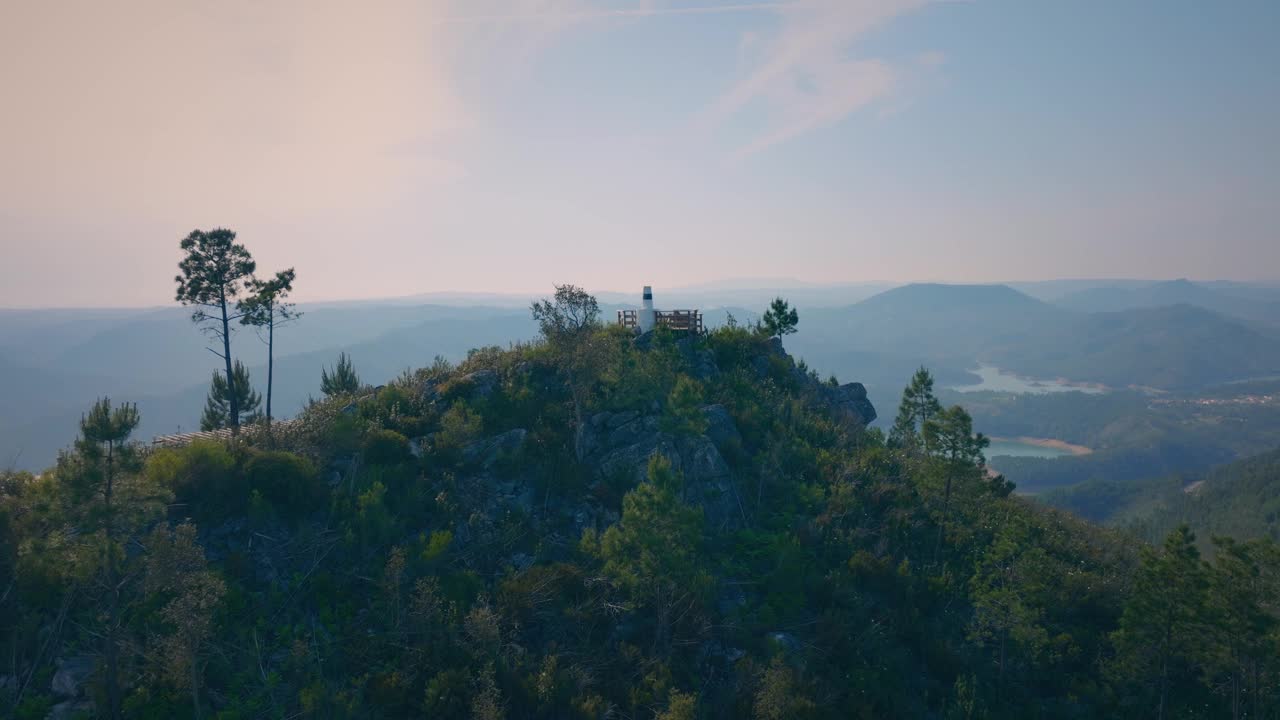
54, 362
1170, 348
952, 327
1246, 303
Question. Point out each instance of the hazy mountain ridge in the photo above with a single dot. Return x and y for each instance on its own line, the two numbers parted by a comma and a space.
59, 359
1251, 304
1174, 347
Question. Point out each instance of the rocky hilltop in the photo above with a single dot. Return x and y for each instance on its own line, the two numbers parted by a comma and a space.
595, 525
618, 444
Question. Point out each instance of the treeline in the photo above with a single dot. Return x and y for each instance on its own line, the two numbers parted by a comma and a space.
596, 525
1239, 499
1135, 437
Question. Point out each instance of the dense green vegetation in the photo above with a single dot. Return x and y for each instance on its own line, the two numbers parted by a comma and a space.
597, 525
1239, 499
1135, 436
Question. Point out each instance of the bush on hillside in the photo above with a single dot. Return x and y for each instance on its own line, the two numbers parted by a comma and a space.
289, 482
204, 480
386, 447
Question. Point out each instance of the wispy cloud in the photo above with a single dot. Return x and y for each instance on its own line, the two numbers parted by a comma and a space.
804, 76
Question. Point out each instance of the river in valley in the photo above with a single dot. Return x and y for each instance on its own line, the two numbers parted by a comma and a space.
997, 380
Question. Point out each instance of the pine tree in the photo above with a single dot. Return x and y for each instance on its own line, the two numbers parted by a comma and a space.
225, 399
268, 308
780, 319
215, 271
107, 504
684, 414
1162, 629
918, 407
1244, 584
342, 381
1008, 577
956, 453
652, 551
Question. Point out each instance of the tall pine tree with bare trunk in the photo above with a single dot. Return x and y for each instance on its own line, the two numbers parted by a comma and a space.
268, 308
214, 273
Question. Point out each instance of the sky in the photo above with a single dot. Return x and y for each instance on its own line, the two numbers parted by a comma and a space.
396, 147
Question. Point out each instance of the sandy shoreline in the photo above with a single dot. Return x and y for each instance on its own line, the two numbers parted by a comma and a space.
1048, 443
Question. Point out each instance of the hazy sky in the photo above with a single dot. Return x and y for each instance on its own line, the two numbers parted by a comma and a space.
391, 148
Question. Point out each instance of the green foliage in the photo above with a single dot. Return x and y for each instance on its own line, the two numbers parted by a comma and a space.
779, 698
214, 271
341, 380
268, 307
1009, 579
950, 438
459, 427
386, 447
571, 312
780, 319
681, 706
917, 409
203, 478
219, 402
289, 482
684, 414
829, 574
652, 553
1163, 629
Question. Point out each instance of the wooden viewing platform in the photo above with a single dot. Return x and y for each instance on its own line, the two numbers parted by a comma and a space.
247, 430
687, 321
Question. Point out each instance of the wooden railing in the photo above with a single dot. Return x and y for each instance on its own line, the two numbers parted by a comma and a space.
686, 321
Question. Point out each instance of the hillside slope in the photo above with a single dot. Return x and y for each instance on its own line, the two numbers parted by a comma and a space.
1240, 499
700, 528
1177, 347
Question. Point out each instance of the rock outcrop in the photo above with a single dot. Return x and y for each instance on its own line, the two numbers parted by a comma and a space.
71, 676
620, 445
846, 402
489, 451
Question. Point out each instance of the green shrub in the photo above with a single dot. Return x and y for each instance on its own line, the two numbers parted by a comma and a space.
386, 447
203, 479
683, 413
287, 481
460, 426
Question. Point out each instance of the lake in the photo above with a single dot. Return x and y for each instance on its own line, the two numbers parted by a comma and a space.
996, 380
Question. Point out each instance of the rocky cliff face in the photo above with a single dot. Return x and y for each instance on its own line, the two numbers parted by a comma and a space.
848, 403
618, 445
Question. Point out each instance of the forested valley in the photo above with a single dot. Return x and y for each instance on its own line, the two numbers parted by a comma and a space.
599, 524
